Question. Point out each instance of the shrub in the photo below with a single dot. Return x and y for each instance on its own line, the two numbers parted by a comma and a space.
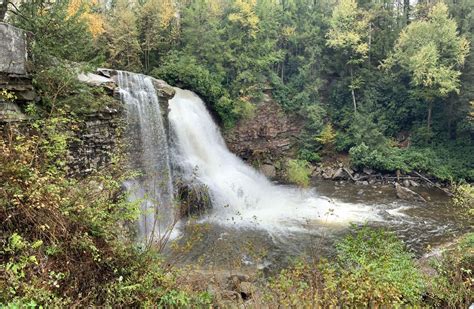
452, 286
376, 269
298, 172
185, 71
445, 162
371, 269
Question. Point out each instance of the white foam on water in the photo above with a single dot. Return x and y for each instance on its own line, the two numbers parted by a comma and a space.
242, 196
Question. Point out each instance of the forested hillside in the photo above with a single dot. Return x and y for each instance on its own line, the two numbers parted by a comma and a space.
388, 82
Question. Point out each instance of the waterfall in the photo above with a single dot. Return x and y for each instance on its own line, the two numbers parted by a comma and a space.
149, 155
242, 196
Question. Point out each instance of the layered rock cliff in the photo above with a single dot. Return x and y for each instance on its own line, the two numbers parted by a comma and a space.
267, 138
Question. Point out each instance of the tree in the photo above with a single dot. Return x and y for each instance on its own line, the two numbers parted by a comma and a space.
158, 29
58, 33
349, 33
432, 52
121, 36
86, 10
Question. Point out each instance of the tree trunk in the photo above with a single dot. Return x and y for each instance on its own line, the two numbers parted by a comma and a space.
3, 9
451, 132
430, 108
406, 11
353, 92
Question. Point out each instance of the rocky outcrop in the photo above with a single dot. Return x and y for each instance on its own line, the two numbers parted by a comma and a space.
267, 137
95, 142
193, 197
407, 194
13, 50
100, 132
14, 72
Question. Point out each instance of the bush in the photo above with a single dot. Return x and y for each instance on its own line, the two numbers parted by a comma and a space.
452, 286
298, 172
445, 162
371, 269
185, 71
376, 269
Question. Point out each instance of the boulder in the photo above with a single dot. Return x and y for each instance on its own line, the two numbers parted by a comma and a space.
407, 194
368, 171
340, 174
13, 50
268, 170
406, 183
10, 112
95, 80
193, 197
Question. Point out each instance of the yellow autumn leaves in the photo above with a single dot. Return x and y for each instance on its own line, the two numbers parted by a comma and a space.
85, 8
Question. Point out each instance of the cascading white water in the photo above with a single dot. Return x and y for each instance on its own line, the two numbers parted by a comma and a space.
149, 154
242, 196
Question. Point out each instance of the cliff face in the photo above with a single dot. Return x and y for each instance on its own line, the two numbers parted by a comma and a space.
97, 134
265, 139
14, 71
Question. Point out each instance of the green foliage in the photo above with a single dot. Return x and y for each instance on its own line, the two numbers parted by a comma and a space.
432, 52
452, 286
7, 96
349, 31
57, 34
121, 38
376, 269
372, 268
298, 172
445, 162
464, 196
185, 71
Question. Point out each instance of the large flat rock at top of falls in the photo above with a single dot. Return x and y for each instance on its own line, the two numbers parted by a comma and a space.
13, 50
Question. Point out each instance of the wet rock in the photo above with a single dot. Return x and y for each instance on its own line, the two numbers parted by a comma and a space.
317, 171
267, 136
340, 174
327, 175
367, 171
362, 183
407, 194
268, 170
193, 196
96, 80
13, 50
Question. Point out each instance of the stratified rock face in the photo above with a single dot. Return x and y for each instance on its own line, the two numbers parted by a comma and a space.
96, 142
13, 50
267, 137
14, 67
100, 132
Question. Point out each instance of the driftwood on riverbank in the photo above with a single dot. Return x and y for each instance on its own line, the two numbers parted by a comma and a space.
368, 176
